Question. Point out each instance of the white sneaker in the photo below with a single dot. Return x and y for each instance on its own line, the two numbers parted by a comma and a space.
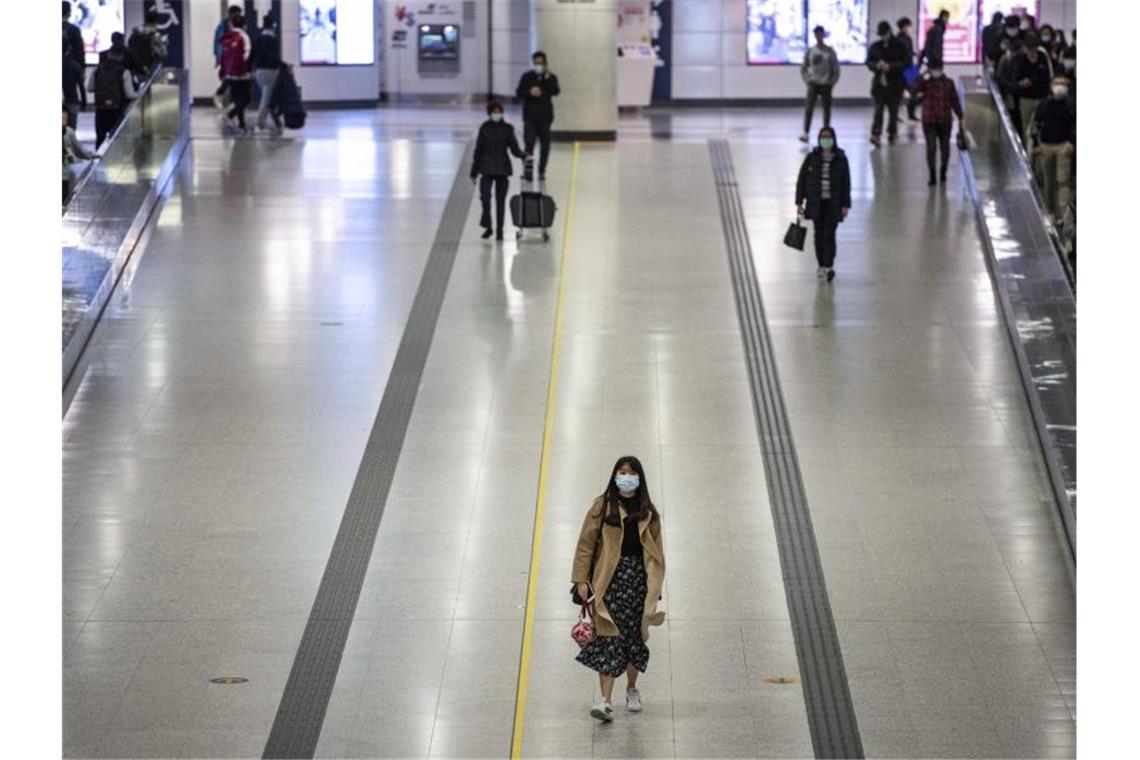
820, 273
603, 711
219, 103
633, 700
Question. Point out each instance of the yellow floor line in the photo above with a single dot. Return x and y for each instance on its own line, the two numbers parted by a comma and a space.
544, 467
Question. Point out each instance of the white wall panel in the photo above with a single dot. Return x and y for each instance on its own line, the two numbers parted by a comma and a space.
697, 15
696, 82
696, 49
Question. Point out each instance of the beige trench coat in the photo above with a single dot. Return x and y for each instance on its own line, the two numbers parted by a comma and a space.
608, 554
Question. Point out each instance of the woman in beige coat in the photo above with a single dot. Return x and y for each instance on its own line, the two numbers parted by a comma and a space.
620, 563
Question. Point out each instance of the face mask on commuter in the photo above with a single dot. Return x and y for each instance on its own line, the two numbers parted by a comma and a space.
885, 36
936, 73
1046, 38
1024, 26
1060, 91
827, 143
1068, 64
627, 483
539, 68
1011, 31
496, 117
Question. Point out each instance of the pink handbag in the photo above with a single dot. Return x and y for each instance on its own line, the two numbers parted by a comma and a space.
583, 631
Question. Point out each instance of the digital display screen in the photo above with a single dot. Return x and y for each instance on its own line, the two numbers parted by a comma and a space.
779, 31
337, 32
97, 20
439, 42
1010, 8
960, 41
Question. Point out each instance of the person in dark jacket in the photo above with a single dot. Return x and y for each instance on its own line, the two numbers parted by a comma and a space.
886, 58
73, 48
823, 194
491, 165
1031, 72
1055, 138
72, 89
932, 50
939, 105
536, 89
266, 63
991, 39
904, 27
113, 86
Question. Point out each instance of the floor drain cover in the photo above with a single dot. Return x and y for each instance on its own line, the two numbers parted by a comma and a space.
229, 680
781, 679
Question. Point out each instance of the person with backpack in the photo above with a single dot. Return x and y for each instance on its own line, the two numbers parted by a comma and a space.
235, 71
286, 103
266, 66
114, 87
73, 50
491, 165
147, 45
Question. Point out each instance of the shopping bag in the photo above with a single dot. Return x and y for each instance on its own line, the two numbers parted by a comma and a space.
910, 75
583, 631
796, 235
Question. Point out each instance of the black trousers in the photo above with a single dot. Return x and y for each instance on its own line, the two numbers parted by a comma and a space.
889, 99
937, 138
501, 183
66, 189
106, 119
815, 91
826, 222
240, 95
72, 115
539, 131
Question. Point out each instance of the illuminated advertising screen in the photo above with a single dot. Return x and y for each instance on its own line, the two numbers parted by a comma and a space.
960, 42
1010, 8
779, 31
337, 33
846, 25
97, 20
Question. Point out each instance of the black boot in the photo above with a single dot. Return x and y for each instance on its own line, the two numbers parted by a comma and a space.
486, 232
498, 234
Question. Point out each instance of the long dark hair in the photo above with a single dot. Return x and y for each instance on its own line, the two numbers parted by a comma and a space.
612, 497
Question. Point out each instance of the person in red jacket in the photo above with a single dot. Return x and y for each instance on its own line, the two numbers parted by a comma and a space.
235, 71
939, 102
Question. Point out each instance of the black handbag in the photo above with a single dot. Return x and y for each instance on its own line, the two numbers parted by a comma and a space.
796, 235
574, 595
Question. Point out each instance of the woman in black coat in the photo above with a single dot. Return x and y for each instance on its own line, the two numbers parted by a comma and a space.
823, 194
493, 150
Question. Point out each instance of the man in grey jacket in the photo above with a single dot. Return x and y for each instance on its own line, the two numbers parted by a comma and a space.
820, 72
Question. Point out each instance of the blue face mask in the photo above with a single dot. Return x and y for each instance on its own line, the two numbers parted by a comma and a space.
496, 117
826, 143
935, 74
627, 483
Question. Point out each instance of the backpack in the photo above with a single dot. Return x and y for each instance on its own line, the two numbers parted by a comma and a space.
287, 99
109, 83
233, 55
142, 49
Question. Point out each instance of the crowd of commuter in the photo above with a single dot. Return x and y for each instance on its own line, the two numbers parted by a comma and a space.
1035, 70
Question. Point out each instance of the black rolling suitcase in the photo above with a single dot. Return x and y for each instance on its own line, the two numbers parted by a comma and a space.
530, 210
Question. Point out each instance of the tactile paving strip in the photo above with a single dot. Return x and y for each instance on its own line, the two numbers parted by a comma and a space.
301, 712
831, 714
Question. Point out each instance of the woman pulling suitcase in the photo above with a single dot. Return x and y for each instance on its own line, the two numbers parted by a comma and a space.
492, 162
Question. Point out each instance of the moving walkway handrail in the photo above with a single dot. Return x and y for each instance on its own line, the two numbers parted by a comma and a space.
1026, 165
88, 170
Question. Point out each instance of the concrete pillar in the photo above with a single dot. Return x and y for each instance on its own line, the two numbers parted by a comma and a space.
580, 41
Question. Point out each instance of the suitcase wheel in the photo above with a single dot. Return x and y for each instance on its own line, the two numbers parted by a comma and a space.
545, 236
518, 234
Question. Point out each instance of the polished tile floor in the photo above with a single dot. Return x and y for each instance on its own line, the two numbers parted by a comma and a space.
209, 453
